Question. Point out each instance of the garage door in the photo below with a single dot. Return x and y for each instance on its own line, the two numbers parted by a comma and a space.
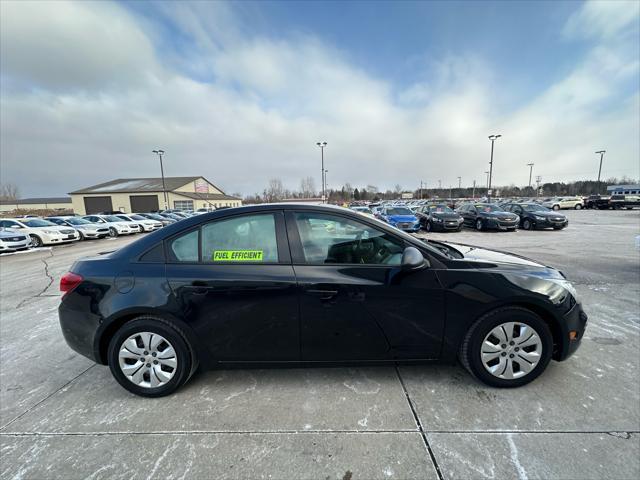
144, 203
97, 204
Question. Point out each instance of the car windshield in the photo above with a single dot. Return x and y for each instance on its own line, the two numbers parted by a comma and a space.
112, 218
37, 222
137, 217
399, 211
440, 209
489, 208
76, 221
155, 217
532, 207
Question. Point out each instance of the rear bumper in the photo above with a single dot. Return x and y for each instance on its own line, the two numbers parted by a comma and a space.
575, 320
79, 328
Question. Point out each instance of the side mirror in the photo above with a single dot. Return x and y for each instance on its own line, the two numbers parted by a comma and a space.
412, 259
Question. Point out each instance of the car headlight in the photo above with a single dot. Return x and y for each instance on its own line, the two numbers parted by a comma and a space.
51, 232
538, 217
567, 285
439, 220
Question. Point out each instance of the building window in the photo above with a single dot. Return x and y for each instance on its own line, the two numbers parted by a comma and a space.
183, 204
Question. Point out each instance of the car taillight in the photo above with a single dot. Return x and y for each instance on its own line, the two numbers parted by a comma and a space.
69, 281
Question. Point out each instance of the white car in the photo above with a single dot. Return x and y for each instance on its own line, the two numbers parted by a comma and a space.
146, 224
12, 240
559, 203
41, 232
85, 228
116, 225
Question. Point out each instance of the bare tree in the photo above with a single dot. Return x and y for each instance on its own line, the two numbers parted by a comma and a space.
274, 191
9, 191
397, 189
307, 187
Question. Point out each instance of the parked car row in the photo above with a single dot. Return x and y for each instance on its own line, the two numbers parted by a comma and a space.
26, 232
439, 216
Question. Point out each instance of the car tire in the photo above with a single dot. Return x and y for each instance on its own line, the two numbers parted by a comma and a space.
526, 224
471, 349
479, 225
556, 207
113, 233
578, 207
81, 236
429, 227
36, 241
185, 360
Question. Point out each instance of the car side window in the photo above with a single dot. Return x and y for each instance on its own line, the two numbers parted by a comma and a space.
329, 239
184, 248
242, 239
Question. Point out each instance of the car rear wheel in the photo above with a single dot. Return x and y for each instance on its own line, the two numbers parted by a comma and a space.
113, 232
526, 224
150, 357
429, 227
479, 225
36, 241
508, 347
556, 207
578, 207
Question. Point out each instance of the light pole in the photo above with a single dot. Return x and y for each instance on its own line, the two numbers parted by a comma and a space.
164, 187
487, 181
493, 138
473, 195
538, 180
530, 165
601, 152
439, 184
421, 182
322, 145
326, 186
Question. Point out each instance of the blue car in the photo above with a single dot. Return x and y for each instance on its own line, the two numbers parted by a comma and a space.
401, 218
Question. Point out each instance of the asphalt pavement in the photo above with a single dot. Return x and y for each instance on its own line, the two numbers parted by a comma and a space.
61, 416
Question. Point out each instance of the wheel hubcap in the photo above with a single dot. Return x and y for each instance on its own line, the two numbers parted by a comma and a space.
511, 350
147, 359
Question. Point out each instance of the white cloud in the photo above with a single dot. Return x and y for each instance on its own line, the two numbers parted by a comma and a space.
603, 19
271, 100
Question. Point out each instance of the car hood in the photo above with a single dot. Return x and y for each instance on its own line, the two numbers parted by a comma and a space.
477, 254
8, 233
547, 214
402, 218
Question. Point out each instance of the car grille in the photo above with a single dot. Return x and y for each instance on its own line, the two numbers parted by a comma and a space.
404, 225
506, 219
102, 230
557, 219
14, 239
68, 232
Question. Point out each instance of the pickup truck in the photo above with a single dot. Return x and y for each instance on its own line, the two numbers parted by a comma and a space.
601, 202
624, 201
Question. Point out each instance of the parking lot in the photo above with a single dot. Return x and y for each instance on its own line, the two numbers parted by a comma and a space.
62, 416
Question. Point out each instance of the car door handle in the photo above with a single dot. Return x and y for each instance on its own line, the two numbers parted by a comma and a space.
198, 288
323, 294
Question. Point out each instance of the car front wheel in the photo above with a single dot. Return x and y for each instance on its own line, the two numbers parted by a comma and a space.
556, 207
508, 347
479, 225
578, 206
36, 241
429, 227
150, 357
113, 232
526, 224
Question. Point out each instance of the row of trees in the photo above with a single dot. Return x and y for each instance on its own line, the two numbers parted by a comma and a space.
9, 191
275, 191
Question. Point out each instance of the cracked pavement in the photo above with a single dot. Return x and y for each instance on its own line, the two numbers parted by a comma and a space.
63, 417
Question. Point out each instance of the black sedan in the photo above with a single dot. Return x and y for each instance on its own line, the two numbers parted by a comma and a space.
282, 284
487, 216
534, 216
439, 217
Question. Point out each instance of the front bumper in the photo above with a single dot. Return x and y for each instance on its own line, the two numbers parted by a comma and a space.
447, 225
12, 246
501, 224
575, 320
547, 223
407, 228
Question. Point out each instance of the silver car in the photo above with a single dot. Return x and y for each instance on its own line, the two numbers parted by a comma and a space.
85, 228
11, 240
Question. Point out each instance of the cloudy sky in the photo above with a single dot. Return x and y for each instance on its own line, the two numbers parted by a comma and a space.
241, 92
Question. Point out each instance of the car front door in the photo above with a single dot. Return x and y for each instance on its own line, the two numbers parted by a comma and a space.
233, 282
355, 301
470, 215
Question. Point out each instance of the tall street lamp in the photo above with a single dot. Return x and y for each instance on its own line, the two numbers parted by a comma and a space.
601, 152
530, 165
493, 138
459, 182
322, 145
326, 184
487, 181
164, 187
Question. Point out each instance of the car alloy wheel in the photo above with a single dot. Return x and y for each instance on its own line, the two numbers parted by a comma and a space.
147, 360
36, 241
556, 207
578, 207
478, 224
526, 225
511, 350
113, 232
429, 226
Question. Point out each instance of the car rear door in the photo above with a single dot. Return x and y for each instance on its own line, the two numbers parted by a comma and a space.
233, 282
355, 302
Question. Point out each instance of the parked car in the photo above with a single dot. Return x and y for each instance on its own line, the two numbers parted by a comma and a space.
146, 224
399, 217
439, 217
85, 228
560, 203
600, 202
116, 225
485, 216
156, 216
171, 216
534, 216
13, 240
362, 210
41, 232
220, 289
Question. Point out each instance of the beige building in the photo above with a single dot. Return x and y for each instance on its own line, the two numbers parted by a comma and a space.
48, 203
130, 195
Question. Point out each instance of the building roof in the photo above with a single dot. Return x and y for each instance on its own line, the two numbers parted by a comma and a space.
206, 196
138, 185
33, 201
